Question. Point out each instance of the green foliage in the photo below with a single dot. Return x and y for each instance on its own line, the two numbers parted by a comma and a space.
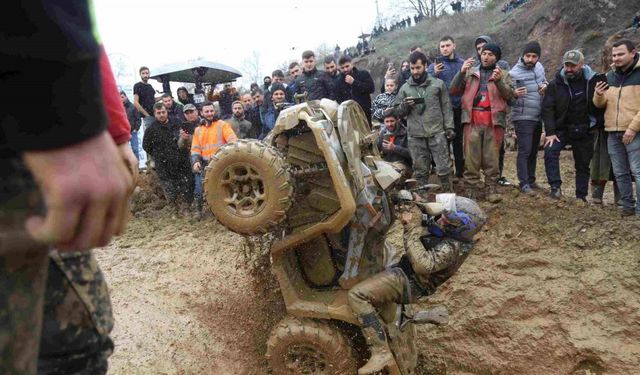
491, 4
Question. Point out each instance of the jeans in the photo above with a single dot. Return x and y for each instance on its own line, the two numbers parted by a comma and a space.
625, 159
135, 144
528, 133
458, 147
582, 152
198, 190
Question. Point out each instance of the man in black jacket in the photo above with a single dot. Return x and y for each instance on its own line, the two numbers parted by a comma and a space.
569, 117
354, 84
316, 83
134, 121
173, 164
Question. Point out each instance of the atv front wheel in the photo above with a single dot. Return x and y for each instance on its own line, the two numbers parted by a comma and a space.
308, 346
248, 187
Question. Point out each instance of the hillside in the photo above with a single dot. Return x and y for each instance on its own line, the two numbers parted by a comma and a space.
557, 25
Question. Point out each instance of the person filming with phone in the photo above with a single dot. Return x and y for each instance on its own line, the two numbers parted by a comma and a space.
424, 100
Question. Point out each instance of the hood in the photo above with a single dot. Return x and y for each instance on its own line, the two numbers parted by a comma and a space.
586, 70
486, 38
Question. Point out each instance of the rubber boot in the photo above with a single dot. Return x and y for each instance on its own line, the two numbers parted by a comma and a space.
597, 191
376, 337
445, 182
492, 194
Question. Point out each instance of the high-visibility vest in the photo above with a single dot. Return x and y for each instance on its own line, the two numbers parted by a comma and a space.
207, 139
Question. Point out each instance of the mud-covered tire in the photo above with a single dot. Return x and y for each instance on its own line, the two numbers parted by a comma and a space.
308, 346
248, 187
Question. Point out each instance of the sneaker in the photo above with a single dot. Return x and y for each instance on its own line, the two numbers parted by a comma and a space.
502, 181
555, 193
627, 211
526, 189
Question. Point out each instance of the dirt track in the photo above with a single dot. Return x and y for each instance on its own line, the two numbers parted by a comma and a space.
187, 301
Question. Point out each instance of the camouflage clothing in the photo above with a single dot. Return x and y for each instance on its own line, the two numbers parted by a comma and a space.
427, 264
77, 317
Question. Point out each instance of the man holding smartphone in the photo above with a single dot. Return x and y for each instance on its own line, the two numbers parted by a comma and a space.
424, 100
445, 67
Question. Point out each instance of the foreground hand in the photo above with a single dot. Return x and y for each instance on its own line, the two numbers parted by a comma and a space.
391, 72
85, 189
519, 92
468, 63
348, 79
387, 145
131, 162
438, 68
550, 140
542, 89
197, 167
628, 136
601, 87
497, 74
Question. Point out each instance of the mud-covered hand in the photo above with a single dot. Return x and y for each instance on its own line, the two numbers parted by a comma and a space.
85, 189
450, 134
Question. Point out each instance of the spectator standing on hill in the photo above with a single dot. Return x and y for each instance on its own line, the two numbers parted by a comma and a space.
569, 116
445, 67
530, 85
355, 84
317, 84
424, 100
621, 98
486, 90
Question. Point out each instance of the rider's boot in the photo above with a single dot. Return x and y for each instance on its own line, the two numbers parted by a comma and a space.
376, 337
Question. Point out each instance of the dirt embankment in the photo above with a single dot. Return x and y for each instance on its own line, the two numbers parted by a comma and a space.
552, 287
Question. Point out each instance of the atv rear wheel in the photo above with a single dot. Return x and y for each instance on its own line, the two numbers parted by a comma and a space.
248, 187
308, 346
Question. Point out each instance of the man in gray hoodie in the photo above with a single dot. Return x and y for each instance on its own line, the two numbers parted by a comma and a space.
530, 84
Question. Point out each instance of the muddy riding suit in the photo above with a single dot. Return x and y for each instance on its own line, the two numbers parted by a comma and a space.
427, 124
207, 139
433, 253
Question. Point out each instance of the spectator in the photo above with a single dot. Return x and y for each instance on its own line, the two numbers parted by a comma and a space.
568, 115
384, 100
315, 83
266, 83
174, 110
241, 126
504, 65
144, 97
207, 139
189, 125
259, 105
530, 86
622, 120
393, 143
171, 163
635, 23
332, 70
228, 95
486, 90
354, 84
134, 122
424, 100
252, 114
392, 73
184, 97
271, 107
294, 70
445, 67
277, 76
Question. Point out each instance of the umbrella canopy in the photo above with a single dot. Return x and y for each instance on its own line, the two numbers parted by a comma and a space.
187, 71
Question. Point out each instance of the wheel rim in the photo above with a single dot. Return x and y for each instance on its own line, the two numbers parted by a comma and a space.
243, 189
305, 359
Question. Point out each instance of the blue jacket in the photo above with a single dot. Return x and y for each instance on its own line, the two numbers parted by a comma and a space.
528, 107
451, 68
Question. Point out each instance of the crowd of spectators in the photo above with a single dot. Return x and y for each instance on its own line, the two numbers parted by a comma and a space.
445, 118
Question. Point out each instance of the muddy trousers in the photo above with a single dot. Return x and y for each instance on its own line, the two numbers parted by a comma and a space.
77, 317
424, 150
482, 153
390, 285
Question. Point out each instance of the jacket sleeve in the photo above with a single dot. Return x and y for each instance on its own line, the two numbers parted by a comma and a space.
403, 150
364, 83
458, 84
228, 134
196, 146
600, 101
445, 107
549, 110
504, 86
431, 70
148, 141
402, 109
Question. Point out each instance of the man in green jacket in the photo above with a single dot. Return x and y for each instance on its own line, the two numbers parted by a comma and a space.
424, 100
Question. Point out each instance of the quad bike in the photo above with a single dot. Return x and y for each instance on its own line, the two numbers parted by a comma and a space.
318, 185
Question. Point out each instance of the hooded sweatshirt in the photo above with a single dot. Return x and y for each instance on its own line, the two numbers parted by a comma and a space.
502, 64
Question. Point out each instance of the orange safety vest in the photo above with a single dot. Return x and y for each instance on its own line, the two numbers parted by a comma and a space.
207, 139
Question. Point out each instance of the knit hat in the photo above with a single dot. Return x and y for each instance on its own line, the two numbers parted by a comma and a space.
532, 47
493, 48
277, 86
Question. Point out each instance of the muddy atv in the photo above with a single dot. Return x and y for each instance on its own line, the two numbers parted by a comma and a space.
318, 185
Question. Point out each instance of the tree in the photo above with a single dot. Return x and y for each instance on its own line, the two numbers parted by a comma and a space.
429, 8
252, 68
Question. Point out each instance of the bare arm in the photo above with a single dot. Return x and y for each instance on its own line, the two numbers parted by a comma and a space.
136, 103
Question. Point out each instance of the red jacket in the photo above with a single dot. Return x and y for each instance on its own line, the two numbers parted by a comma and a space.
119, 127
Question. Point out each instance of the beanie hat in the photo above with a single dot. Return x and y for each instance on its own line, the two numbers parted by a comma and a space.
532, 47
278, 86
493, 48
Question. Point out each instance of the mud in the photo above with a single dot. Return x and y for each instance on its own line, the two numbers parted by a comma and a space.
551, 288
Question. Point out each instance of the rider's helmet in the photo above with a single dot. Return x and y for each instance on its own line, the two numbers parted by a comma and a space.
462, 222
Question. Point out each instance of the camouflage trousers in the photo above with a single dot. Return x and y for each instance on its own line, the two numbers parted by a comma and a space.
390, 285
50, 304
424, 150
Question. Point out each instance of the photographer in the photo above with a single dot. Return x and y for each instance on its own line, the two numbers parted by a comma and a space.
424, 100
393, 143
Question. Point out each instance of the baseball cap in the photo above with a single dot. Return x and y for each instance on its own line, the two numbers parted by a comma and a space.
189, 107
573, 57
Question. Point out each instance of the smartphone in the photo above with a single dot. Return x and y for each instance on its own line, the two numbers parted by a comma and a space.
438, 60
390, 66
387, 137
519, 83
416, 100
